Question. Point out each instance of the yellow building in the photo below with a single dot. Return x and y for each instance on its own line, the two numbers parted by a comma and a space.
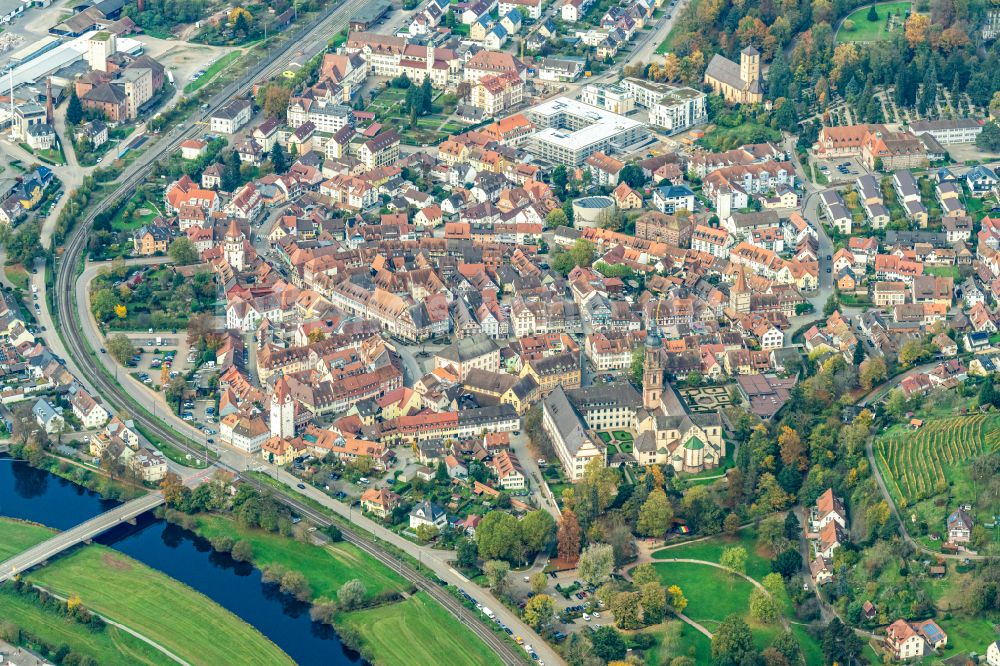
737, 83
556, 370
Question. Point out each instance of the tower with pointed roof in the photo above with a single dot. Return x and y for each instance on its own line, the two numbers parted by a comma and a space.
234, 247
739, 293
652, 371
282, 410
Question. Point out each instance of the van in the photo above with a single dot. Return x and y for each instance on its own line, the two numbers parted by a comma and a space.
34, 288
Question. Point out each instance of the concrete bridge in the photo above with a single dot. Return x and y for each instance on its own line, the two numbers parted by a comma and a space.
83, 532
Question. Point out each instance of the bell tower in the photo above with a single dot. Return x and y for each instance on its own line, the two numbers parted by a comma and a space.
652, 371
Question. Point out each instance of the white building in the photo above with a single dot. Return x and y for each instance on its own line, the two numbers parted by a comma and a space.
230, 118
679, 110
609, 96
428, 513
960, 130
89, 411
570, 131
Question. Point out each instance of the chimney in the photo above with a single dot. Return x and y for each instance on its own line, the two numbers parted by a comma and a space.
49, 112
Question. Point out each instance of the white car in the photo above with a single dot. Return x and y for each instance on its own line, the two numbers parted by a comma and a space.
586, 617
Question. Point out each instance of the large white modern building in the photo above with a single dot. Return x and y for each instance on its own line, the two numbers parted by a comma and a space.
570, 131
670, 107
608, 96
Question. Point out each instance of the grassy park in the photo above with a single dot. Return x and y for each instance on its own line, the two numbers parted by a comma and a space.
418, 632
873, 31
160, 608
326, 568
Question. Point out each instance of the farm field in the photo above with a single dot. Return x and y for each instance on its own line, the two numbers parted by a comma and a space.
326, 568
419, 632
927, 462
873, 31
158, 607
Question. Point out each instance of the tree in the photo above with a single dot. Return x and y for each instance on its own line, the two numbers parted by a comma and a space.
120, 348
656, 515
466, 554
771, 534
351, 594
295, 584
426, 533
539, 581
597, 562
172, 487
731, 524
989, 138
230, 179
568, 536
872, 14
278, 158
25, 245
732, 643
644, 573
242, 551
635, 369
183, 251
840, 643
792, 527
174, 391
74, 109
608, 644
677, 599
873, 372
556, 218
763, 606
791, 446
273, 100
496, 573
499, 537
625, 607
654, 602
537, 528
633, 176
859, 351
560, 178
539, 611
734, 558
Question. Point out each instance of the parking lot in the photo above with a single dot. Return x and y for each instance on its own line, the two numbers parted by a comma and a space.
845, 169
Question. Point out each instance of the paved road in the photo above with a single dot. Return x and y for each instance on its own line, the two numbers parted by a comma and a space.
82, 532
313, 42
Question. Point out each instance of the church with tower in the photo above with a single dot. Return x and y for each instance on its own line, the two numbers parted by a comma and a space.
737, 83
667, 431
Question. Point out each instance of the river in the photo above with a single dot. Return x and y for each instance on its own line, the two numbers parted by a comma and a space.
38, 496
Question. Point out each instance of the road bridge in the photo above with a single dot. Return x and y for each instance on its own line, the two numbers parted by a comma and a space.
83, 532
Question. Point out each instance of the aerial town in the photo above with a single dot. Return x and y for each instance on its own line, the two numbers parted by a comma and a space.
500, 332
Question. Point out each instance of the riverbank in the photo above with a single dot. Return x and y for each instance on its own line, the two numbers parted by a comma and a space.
133, 594
396, 627
157, 606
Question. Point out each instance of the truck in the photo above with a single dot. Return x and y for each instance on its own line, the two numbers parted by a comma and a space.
488, 613
159, 341
170, 77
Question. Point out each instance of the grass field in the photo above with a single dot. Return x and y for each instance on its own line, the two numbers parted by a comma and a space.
713, 594
17, 536
418, 632
184, 621
326, 568
873, 31
111, 646
210, 73
943, 271
758, 565
934, 458
692, 644
17, 275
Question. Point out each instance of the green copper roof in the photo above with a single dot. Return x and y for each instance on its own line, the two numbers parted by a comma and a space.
694, 444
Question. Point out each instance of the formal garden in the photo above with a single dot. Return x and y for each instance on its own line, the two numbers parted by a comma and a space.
617, 441
707, 398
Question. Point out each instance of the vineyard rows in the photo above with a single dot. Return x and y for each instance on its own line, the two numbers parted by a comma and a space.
916, 460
